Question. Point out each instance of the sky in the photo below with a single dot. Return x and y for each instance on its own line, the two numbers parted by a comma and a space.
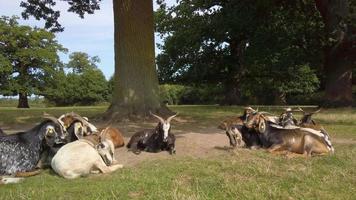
93, 35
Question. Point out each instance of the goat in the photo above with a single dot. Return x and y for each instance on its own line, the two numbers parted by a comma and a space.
85, 156
307, 121
224, 125
154, 140
299, 140
114, 135
287, 119
80, 125
77, 127
238, 134
20, 152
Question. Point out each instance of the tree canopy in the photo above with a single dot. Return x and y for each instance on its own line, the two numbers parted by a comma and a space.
257, 48
83, 84
28, 57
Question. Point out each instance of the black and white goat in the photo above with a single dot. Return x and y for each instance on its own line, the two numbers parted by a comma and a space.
21, 152
154, 140
76, 126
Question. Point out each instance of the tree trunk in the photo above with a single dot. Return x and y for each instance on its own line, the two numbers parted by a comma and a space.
136, 82
236, 72
23, 101
339, 54
338, 82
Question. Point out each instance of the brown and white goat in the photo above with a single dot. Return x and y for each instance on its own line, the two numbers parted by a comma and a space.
154, 140
299, 140
89, 154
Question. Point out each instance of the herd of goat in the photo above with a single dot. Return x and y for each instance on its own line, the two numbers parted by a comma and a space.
74, 147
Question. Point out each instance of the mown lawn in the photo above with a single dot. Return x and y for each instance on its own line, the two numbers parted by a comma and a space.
240, 174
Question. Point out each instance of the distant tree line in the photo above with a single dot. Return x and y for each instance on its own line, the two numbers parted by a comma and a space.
30, 65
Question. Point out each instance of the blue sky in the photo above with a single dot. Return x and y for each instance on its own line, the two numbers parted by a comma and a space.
94, 34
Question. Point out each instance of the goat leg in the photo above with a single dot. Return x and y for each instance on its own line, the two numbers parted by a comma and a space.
107, 169
275, 148
27, 174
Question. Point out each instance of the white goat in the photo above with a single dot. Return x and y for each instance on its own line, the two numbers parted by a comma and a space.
82, 157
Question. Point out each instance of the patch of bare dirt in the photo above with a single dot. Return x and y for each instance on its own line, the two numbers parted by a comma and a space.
192, 140
191, 144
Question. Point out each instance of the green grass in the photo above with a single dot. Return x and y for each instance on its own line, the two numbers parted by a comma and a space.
240, 174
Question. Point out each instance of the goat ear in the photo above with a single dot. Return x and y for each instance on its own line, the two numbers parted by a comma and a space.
262, 125
78, 130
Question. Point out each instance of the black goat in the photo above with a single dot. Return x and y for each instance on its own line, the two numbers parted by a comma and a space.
21, 152
154, 140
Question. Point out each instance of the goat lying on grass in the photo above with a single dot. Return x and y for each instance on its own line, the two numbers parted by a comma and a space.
20, 152
298, 140
154, 140
76, 127
238, 134
89, 154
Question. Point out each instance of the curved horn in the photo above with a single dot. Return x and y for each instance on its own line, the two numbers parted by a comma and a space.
300, 109
316, 111
84, 121
265, 113
171, 117
55, 120
158, 117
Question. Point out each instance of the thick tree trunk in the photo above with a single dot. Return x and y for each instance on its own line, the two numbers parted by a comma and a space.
23, 101
236, 72
338, 82
338, 55
136, 82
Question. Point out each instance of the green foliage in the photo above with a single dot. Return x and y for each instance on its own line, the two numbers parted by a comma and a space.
180, 94
228, 175
262, 49
85, 84
28, 57
80, 61
45, 10
171, 94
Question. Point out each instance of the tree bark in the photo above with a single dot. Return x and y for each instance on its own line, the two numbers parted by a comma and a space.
339, 54
236, 71
23, 101
136, 82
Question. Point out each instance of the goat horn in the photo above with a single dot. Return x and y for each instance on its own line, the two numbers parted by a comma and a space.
84, 121
300, 109
55, 120
171, 117
265, 113
158, 117
316, 111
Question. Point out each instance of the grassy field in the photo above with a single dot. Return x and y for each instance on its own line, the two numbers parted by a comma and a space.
239, 174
